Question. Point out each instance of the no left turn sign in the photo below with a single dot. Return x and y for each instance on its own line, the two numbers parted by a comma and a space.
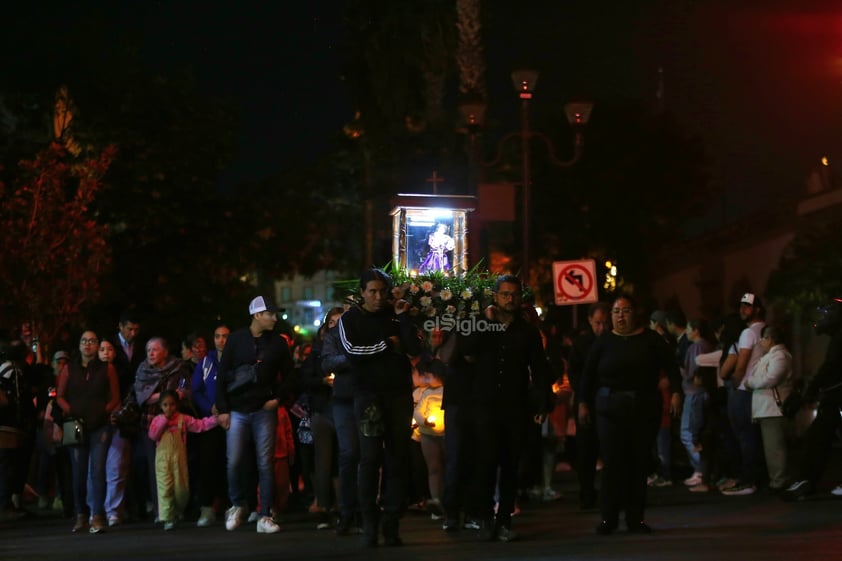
575, 282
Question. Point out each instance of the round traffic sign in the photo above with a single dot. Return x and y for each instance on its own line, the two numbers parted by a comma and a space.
575, 282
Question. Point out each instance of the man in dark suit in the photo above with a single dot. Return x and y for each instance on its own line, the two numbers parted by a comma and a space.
129, 353
129, 347
587, 443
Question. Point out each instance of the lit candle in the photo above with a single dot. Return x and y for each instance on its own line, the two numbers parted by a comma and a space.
431, 419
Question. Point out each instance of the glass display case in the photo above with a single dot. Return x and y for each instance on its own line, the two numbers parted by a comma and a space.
430, 232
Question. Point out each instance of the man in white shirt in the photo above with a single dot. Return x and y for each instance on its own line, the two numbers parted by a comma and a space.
749, 352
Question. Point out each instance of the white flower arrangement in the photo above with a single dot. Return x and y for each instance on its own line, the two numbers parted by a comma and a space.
438, 294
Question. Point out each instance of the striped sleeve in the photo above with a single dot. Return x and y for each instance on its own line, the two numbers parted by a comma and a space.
358, 350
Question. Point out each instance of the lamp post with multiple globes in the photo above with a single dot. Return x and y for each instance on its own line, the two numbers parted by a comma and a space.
473, 114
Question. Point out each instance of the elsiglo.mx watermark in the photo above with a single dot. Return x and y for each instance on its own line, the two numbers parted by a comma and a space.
464, 326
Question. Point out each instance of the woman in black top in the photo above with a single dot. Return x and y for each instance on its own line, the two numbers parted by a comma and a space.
88, 390
621, 379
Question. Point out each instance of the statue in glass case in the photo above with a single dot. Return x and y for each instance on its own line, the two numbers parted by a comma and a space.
439, 243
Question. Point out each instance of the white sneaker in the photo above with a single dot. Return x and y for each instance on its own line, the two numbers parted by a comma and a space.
233, 517
253, 517
550, 495
267, 526
206, 517
837, 491
694, 479
740, 489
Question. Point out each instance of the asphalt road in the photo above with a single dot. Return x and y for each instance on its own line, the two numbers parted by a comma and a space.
687, 526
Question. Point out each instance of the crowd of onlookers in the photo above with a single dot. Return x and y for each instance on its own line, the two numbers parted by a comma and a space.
113, 428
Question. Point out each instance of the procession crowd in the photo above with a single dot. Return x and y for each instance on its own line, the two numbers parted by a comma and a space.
375, 415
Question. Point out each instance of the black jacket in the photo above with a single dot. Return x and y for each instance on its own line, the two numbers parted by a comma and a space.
829, 374
375, 365
510, 368
336, 362
274, 370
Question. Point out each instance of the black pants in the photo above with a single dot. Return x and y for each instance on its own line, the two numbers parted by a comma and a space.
627, 424
499, 438
391, 450
458, 453
818, 442
587, 452
213, 479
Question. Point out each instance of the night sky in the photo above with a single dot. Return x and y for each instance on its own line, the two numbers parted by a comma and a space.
759, 81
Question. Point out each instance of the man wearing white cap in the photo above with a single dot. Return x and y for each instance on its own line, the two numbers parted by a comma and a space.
749, 352
253, 365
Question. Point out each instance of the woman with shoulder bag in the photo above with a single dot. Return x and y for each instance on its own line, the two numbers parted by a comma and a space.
771, 382
88, 391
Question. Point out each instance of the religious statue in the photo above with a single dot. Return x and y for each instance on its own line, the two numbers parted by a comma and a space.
440, 243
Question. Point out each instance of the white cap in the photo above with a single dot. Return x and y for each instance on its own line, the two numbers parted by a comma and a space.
748, 298
261, 304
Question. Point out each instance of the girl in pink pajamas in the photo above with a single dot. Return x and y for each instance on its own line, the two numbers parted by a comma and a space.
169, 431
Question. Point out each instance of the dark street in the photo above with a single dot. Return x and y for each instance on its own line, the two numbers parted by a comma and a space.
687, 526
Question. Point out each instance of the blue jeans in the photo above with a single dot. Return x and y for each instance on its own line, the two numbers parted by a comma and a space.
687, 433
739, 414
664, 444
347, 436
116, 473
90, 456
258, 427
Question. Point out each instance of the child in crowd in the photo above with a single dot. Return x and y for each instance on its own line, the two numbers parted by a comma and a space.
702, 426
169, 432
554, 436
418, 481
284, 458
429, 417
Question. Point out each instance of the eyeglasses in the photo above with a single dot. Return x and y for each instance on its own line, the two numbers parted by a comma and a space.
624, 311
508, 294
89, 341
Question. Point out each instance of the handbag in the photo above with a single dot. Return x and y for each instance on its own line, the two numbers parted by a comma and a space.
243, 376
73, 432
304, 431
127, 419
791, 405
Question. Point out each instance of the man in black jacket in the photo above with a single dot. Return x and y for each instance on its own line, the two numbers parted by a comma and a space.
587, 443
254, 364
512, 387
378, 338
826, 388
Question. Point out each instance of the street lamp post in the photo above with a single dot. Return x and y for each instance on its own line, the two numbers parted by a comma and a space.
473, 114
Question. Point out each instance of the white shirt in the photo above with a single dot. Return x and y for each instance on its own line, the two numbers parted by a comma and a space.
750, 339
